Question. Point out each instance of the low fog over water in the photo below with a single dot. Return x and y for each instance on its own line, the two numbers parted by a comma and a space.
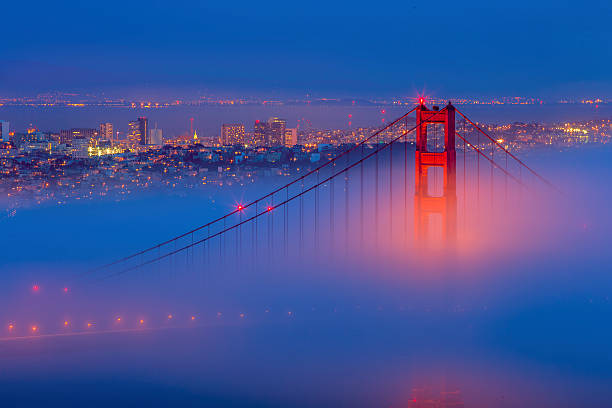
514, 312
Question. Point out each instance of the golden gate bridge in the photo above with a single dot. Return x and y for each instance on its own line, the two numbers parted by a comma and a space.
343, 205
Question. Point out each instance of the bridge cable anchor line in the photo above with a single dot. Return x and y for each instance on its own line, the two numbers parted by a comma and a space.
262, 198
520, 162
270, 208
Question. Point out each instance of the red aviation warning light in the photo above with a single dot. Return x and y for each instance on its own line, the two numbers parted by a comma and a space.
35, 288
239, 207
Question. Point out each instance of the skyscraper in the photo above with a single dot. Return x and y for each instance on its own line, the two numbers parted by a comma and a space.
290, 137
260, 133
4, 131
232, 134
276, 132
156, 137
139, 132
106, 131
144, 131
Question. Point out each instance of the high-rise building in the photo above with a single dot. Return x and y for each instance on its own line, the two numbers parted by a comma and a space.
68, 135
290, 137
156, 137
232, 134
133, 134
106, 131
80, 146
260, 133
4, 131
144, 130
276, 132
138, 132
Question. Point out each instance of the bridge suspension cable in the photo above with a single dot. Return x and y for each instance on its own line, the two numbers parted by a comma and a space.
495, 142
304, 190
254, 202
301, 193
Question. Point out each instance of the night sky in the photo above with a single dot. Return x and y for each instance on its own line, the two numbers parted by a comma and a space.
477, 48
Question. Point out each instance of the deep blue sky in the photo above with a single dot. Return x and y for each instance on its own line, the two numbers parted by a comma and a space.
477, 47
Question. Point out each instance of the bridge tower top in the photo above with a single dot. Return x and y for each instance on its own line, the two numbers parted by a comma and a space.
445, 116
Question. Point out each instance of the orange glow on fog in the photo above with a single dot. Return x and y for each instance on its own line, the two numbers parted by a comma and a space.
34, 329
170, 316
66, 323
141, 321
192, 317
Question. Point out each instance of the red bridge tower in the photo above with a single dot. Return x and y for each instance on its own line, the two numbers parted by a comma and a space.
426, 204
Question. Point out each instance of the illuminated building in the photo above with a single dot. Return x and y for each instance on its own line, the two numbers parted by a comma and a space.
232, 134
80, 146
156, 137
270, 134
106, 131
68, 135
139, 132
4, 130
290, 137
276, 132
260, 133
